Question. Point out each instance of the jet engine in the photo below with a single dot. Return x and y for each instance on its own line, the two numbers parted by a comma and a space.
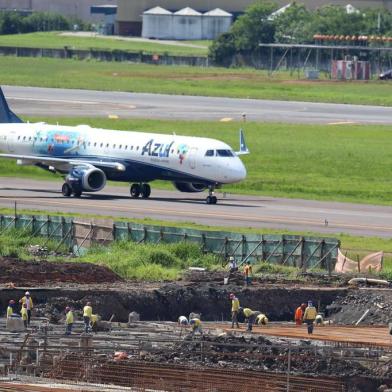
90, 179
189, 187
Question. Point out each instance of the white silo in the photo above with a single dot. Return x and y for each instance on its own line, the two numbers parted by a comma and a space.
216, 22
157, 23
187, 24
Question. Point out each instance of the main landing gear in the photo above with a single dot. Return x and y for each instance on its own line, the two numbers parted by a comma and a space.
67, 191
211, 199
143, 190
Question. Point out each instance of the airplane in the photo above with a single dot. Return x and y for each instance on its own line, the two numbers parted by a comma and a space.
88, 157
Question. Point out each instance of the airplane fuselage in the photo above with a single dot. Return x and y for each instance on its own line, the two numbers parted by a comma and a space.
145, 156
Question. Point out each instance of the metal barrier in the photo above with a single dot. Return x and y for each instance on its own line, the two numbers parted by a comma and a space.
300, 251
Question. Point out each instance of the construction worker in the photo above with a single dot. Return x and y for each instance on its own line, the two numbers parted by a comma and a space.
10, 308
235, 306
182, 321
319, 319
69, 320
233, 264
309, 316
94, 322
247, 273
299, 314
24, 314
87, 313
195, 323
29, 305
250, 317
261, 319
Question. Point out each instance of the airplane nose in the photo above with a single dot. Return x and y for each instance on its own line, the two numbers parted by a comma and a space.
238, 172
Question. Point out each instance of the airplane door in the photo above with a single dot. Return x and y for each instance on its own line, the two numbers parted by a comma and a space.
11, 141
192, 157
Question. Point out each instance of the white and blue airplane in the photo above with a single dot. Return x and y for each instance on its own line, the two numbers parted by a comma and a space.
88, 157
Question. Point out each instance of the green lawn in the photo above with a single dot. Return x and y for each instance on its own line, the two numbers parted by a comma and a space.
243, 83
56, 40
323, 162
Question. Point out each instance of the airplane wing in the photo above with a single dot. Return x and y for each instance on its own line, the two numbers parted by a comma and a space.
71, 162
243, 147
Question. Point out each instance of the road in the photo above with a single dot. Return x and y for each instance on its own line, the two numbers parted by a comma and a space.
33, 101
232, 210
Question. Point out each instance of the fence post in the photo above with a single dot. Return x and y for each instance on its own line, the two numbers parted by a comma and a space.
288, 368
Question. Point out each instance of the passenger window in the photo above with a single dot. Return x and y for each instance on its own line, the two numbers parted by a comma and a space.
210, 153
18, 137
114, 146
120, 146
101, 145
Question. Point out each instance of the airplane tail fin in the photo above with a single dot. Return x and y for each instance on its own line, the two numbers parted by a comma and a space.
6, 115
243, 147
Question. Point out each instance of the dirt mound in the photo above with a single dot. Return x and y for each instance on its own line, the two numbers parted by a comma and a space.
43, 272
348, 309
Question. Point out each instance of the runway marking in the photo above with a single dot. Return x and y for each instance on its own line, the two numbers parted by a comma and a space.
343, 123
74, 102
226, 119
213, 214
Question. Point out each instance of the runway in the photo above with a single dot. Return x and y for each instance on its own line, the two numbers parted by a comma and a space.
33, 101
231, 211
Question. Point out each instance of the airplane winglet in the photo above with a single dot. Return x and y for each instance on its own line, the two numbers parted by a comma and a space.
243, 147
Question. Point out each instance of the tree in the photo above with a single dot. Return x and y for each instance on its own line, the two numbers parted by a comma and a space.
222, 49
254, 27
294, 25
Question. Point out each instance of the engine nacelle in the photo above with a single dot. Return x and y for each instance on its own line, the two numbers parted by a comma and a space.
87, 179
189, 187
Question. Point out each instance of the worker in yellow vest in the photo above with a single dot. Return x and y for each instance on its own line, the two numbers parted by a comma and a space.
26, 300
235, 306
250, 317
195, 323
309, 316
261, 319
24, 315
10, 308
87, 312
69, 320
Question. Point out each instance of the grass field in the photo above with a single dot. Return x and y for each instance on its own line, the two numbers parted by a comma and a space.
323, 162
57, 40
242, 83
166, 261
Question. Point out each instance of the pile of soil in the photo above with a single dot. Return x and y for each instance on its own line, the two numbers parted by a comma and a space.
22, 273
348, 308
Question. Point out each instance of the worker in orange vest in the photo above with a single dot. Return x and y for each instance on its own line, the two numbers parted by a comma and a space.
299, 314
247, 273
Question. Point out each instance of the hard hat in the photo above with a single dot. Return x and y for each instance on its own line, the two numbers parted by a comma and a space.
310, 303
67, 309
303, 305
231, 258
11, 301
88, 304
231, 295
27, 293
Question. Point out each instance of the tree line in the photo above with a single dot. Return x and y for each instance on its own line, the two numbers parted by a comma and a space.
296, 25
13, 22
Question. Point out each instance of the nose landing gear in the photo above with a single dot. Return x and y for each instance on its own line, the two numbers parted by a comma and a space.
211, 198
143, 190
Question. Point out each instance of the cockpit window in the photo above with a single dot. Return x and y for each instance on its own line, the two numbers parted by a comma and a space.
210, 153
224, 153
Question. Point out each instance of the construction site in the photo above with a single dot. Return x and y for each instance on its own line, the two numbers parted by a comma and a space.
138, 344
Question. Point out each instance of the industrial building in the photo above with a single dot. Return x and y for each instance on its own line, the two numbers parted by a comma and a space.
73, 8
130, 12
185, 24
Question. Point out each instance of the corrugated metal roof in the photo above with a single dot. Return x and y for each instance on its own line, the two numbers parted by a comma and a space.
157, 11
217, 12
187, 11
